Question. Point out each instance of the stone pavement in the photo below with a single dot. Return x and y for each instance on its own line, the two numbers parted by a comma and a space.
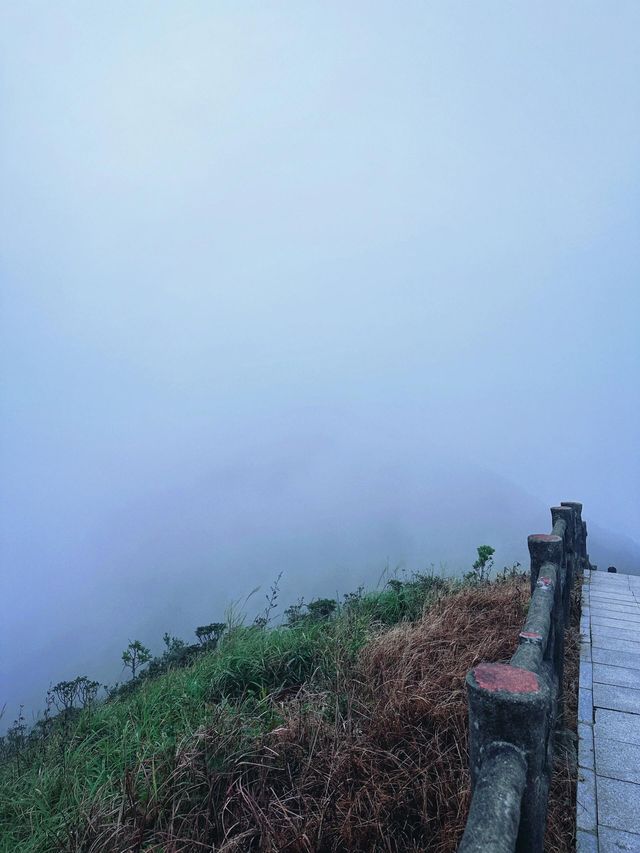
609, 715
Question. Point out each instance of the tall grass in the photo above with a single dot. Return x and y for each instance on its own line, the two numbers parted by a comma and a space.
55, 783
346, 733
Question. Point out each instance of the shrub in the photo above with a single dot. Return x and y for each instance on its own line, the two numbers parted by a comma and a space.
481, 569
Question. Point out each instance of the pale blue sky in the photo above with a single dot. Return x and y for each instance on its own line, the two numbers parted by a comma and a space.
281, 279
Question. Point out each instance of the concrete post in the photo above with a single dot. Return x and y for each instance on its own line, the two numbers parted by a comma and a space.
544, 548
512, 705
560, 514
587, 564
581, 544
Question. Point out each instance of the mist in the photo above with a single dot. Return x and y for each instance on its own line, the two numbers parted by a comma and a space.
320, 289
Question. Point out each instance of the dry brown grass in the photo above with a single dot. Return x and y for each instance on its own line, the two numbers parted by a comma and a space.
378, 765
561, 821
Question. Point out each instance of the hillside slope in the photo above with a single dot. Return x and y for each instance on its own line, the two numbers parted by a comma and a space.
343, 730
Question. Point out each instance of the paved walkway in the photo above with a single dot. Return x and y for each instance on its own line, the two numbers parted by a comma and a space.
609, 715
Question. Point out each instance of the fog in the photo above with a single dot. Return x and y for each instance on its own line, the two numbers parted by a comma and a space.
319, 288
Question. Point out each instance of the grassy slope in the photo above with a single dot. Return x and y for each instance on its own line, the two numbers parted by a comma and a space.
55, 784
346, 734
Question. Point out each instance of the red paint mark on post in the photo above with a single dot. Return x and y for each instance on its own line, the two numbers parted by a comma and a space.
502, 676
544, 583
531, 635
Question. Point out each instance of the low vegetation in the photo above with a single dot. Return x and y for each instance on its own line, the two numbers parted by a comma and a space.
344, 728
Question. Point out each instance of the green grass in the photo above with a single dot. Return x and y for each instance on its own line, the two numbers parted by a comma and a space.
55, 785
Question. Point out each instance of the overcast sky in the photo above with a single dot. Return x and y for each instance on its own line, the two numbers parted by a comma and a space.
307, 287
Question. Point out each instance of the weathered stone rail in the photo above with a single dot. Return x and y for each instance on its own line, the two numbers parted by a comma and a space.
515, 708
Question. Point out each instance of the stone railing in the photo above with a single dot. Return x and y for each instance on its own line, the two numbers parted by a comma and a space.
515, 708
